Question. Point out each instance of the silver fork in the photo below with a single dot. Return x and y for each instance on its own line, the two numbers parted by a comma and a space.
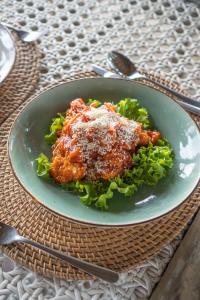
26, 36
9, 235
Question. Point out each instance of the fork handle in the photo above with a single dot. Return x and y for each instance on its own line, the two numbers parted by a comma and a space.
92, 269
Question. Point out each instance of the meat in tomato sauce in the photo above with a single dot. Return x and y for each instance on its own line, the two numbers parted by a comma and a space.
96, 143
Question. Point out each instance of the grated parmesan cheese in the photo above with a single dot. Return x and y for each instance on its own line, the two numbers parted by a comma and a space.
99, 135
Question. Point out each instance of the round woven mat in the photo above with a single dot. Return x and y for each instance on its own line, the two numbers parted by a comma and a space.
22, 79
115, 248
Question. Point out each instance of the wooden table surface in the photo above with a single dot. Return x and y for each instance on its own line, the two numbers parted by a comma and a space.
181, 280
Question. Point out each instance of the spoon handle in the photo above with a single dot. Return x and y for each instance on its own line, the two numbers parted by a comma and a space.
187, 102
8, 25
103, 273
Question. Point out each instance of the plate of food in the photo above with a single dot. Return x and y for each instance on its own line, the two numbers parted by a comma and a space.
105, 152
7, 52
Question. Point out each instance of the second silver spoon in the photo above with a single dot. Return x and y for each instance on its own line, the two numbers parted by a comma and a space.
9, 235
26, 36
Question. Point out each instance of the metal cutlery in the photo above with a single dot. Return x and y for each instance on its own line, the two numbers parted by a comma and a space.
123, 66
104, 72
107, 74
9, 235
26, 36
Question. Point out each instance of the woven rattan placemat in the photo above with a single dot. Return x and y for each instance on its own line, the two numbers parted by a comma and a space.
22, 79
115, 248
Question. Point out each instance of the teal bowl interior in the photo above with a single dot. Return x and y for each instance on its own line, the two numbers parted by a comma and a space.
26, 142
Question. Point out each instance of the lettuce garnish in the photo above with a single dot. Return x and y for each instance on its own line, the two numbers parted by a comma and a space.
150, 164
131, 109
43, 166
97, 103
57, 125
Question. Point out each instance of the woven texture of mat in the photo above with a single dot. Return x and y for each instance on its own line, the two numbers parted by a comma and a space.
22, 79
116, 248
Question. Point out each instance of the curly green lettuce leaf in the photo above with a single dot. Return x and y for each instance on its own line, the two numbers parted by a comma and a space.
115, 184
151, 164
93, 101
94, 192
131, 109
43, 166
89, 192
57, 125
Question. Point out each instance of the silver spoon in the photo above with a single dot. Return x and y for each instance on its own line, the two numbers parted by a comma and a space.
26, 36
9, 235
123, 66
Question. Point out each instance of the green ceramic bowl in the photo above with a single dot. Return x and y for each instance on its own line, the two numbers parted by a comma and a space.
26, 142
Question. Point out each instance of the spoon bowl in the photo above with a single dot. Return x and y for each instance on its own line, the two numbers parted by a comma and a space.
8, 234
121, 63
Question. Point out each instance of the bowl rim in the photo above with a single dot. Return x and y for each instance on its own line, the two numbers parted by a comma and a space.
84, 222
